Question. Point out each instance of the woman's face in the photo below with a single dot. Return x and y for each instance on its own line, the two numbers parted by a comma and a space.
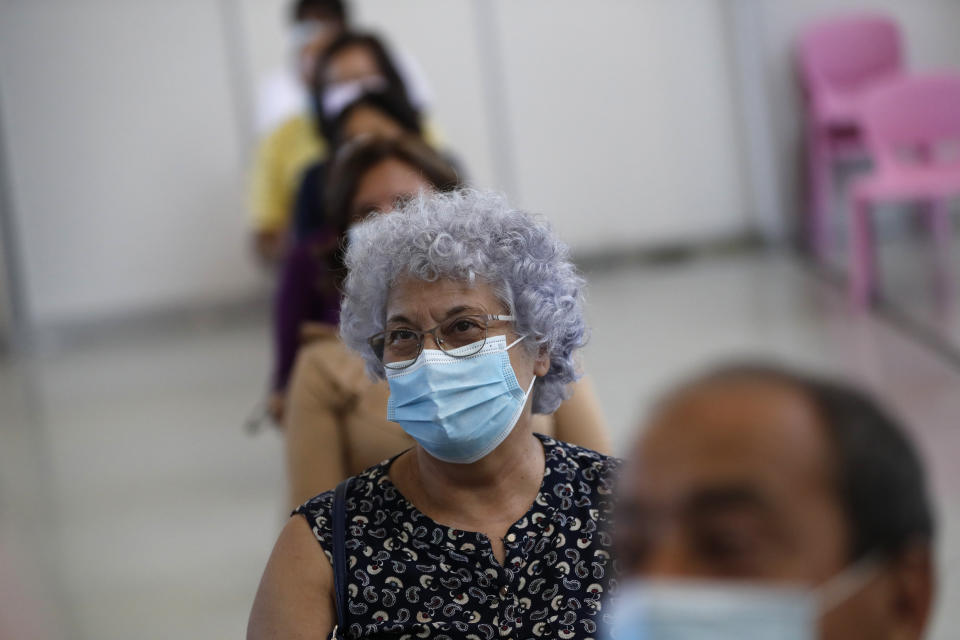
367, 121
419, 305
355, 62
384, 184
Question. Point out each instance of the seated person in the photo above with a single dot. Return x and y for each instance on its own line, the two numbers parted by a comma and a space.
354, 64
357, 70
370, 114
760, 503
292, 144
336, 422
378, 170
473, 313
346, 67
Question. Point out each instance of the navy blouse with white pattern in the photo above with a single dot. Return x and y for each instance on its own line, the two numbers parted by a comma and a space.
409, 577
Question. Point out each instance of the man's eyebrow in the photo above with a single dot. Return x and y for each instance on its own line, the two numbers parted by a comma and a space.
397, 317
711, 499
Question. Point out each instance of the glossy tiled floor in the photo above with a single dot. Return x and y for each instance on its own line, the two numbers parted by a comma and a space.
132, 502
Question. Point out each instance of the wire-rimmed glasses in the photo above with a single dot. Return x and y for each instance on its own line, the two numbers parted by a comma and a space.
460, 337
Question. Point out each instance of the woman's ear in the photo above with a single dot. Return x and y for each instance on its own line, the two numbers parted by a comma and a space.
542, 364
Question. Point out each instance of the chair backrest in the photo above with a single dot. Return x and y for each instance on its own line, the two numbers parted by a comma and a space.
917, 114
846, 52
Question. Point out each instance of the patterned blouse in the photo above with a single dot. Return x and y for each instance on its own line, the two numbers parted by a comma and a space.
410, 577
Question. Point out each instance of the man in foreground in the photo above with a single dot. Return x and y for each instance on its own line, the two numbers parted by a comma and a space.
760, 503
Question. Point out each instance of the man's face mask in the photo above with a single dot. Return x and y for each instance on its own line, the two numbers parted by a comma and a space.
729, 610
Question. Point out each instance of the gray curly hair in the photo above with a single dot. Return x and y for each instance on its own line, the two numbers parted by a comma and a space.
470, 236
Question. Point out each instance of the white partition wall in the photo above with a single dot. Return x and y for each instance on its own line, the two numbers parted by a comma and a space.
623, 117
123, 155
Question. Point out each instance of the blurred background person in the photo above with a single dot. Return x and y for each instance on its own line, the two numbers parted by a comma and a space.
312, 25
307, 291
336, 423
359, 93
763, 503
327, 56
292, 144
356, 67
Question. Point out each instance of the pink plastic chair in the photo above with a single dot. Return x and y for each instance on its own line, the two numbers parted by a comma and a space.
840, 60
912, 130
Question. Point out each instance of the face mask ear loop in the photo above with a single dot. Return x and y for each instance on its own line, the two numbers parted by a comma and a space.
529, 389
843, 586
517, 341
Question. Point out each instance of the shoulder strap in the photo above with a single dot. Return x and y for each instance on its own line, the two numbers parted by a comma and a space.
340, 556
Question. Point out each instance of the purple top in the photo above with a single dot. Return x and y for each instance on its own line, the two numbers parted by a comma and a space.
306, 292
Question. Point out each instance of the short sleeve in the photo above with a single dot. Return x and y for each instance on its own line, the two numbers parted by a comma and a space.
330, 374
318, 512
268, 204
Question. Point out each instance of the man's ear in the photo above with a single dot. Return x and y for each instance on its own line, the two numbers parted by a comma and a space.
914, 585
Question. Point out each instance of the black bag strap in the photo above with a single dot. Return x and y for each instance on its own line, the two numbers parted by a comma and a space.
340, 557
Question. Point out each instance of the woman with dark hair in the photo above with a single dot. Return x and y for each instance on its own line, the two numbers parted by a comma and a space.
375, 113
355, 63
362, 181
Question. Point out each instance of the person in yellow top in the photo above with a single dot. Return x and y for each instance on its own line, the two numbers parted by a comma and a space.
334, 65
293, 144
280, 161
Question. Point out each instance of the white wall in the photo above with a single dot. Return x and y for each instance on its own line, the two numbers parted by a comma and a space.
127, 142
623, 119
124, 156
6, 310
930, 29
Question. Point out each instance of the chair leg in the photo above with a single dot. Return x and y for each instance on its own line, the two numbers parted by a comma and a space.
819, 180
941, 230
862, 268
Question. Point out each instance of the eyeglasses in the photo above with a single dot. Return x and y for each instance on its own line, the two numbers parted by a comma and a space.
459, 337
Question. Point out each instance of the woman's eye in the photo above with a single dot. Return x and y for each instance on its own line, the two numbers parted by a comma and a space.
463, 325
401, 335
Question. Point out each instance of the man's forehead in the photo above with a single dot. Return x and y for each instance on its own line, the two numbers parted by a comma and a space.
724, 431
738, 411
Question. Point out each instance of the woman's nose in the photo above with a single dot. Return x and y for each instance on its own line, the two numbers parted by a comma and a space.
430, 342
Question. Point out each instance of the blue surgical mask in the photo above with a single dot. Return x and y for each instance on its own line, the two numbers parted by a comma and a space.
458, 409
715, 610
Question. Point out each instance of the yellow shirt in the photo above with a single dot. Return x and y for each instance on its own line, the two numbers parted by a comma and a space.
281, 159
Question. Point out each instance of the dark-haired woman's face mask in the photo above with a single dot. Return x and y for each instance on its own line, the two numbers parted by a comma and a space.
338, 96
350, 73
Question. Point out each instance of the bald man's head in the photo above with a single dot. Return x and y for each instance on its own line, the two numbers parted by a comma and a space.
754, 472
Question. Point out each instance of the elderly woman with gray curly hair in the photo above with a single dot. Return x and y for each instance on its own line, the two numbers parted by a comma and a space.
473, 313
